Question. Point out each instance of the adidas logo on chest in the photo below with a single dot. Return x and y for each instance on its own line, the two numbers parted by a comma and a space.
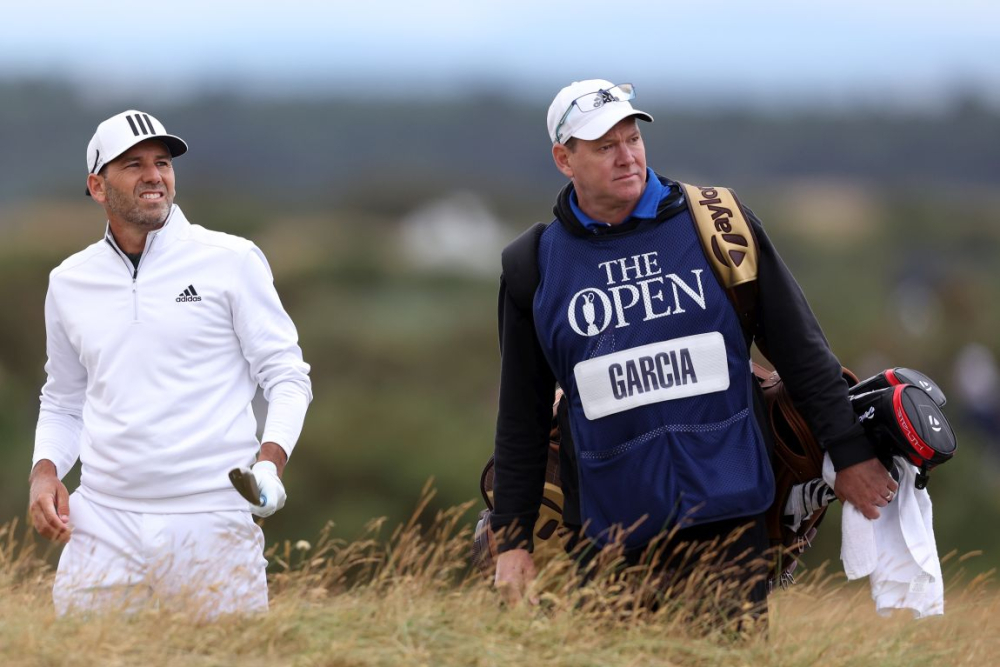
189, 294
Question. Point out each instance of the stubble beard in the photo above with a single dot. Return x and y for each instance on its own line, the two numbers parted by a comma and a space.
126, 208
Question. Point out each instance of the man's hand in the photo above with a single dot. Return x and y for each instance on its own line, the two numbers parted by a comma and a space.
48, 503
515, 571
272, 491
270, 464
867, 486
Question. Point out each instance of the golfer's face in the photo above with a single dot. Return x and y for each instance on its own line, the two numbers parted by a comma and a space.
139, 185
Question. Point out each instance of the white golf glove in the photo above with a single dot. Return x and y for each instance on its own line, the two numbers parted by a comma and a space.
272, 491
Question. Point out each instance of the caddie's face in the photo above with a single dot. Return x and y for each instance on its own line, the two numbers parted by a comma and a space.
609, 172
137, 187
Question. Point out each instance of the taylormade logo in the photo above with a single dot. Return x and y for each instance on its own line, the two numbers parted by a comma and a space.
867, 414
935, 423
733, 247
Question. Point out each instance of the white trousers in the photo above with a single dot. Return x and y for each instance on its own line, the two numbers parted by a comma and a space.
207, 563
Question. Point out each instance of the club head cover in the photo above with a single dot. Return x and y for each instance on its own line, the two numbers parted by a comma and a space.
905, 420
893, 377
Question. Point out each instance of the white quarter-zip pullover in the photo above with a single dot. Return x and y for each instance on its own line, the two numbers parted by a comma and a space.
151, 371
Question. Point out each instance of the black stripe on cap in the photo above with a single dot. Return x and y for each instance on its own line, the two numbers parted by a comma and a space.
132, 125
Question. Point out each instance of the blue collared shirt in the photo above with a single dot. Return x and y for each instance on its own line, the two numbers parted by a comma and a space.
650, 200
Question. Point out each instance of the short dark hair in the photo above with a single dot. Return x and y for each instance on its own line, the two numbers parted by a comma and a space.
570, 144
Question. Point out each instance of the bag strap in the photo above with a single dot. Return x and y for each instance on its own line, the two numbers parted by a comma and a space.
730, 246
725, 233
519, 262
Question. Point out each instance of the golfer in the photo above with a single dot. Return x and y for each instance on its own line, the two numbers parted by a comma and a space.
158, 336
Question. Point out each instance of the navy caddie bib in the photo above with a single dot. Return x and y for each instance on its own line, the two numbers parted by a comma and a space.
651, 355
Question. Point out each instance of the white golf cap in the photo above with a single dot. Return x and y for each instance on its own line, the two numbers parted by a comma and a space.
603, 104
119, 133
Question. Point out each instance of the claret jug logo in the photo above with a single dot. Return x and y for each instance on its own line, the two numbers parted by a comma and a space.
636, 289
583, 303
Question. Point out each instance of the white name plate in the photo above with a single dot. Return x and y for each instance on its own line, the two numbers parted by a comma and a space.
664, 371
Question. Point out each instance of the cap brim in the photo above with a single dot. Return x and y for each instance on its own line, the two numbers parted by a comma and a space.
175, 145
598, 127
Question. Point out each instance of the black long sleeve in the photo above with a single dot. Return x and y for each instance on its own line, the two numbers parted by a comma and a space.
788, 330
524, 420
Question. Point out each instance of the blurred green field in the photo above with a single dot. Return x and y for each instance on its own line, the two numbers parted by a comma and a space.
404, 355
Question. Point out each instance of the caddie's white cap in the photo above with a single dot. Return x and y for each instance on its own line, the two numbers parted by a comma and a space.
123, 131
590, 118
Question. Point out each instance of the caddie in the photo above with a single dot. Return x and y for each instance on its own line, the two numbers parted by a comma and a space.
667, 421
158, 336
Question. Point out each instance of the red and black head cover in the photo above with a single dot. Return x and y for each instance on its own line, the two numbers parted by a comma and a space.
905, 420
893, 377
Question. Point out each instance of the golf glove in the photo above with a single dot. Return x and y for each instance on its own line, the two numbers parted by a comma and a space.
272, 491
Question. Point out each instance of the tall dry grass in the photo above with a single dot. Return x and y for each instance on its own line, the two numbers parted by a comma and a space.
409, 598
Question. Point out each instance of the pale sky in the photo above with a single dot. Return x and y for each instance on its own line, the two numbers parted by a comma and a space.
837, 52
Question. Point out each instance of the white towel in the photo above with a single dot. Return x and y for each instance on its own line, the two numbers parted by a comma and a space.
897, 551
